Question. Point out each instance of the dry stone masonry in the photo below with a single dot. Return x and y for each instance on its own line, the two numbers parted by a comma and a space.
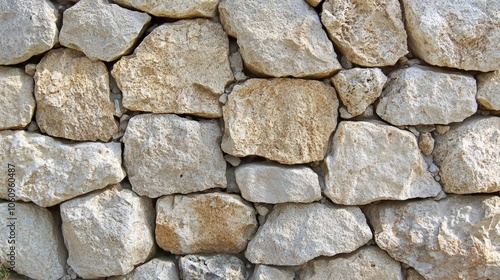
250, 139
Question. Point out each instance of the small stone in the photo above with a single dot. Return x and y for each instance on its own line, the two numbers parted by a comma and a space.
262, 209
426, 143
234, 161
232, 187
414, 130
368, 113
442, 129
174, 9
369, 33
212, 267
275, 183
488, 93
223, 98
266, 272
30, 69
412, 274
433, 168
33, 127
426, 128
346, 64
344, 114
314, 3
237, 66
156, 269
204, 223
17, 103
280, 38
296, 233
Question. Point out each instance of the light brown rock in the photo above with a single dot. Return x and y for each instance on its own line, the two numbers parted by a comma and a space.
285, 120
314, 3
174, 8
17, 103
426, 143
181, 68
72, 97
488, 90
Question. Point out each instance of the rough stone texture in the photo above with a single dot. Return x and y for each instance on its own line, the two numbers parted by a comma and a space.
17, 103
427, 95
285, 120
156, 269
359, 87
371, 161
174, 8
72, 97
314, 3
212, 267
367, 263
37, 237
488, 90
49, 171
369, 33
275, 183
426, 143
28, 28
454, 238
101, 30
412, 274
458, 34
204, 223
296, 233
108, 232
280, 38
167, 154
469, 156
181, 68
265, 272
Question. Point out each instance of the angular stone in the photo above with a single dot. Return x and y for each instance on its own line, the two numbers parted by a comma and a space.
175, 8
369, 33
371, 161
204, 223
412, 274
28, 28
280, 38
37, 237
17, 103
314, 3
167, 154
108, 232
488, 90
101, 30
181, 68
367, 263
468, 156
72, 97
161, 268
49, 171
276, 183
359, 87
454, 34
422, 95
265, 272
426, 143
285, 120
454, 238
296, 233
212, 267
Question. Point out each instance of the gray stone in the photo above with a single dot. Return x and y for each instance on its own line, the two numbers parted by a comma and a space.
212, 267
17, 103
174, 8
266, 272
161, 268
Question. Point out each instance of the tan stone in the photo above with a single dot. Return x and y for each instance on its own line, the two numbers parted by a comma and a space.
426, 143
488, 90
174, 8
314, 3
17, 103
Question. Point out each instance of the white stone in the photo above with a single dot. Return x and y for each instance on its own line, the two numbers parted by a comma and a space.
212, 267
161, 268
174, 8
17, 103
266, 272
488, 90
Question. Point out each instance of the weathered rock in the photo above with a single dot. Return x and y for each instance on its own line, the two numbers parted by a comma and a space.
469, 156
314, 3
285, 120
296, 233
28, 28
17, 103
181, 68
101, 30
455, 34
35, 236
204, 223
114, 227
280, 38
488, 90
454, 238
275, 183
72, 97
156, 269
369, 33
212, 267
359, 87
167, 154
371, 161
412, 274
265, 272
367, 263
426, 143
427, 95
49, 171
175, 8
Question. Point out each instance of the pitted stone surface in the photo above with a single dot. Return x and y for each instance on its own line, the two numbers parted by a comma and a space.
17, 103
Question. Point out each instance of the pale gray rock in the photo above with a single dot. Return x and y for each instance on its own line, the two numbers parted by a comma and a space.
280, 38
174, 8
266, 272
275, 183
488, 90
108, 232
454, 238
422, 95
17, 103
101, 30
156, 269
212, 267
167, 154
371, 161
28, 28
297, 233
234, 161
469, 156
49, 171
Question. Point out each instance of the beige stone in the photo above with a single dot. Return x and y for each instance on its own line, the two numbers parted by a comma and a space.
161, 268
181, 67
426, 143
266, 272
174, 8
212, 267
285, 120
488, 90
17, 103
314, 3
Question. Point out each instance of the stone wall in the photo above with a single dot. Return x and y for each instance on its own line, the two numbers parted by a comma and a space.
250, 139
